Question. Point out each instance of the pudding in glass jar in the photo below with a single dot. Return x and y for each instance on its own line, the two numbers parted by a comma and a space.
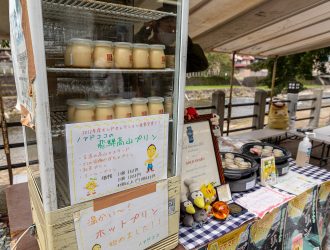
123, 55
168, 105
71, 108
123, 108
157, 56
79, 53
104, 110
84, 111
140, 56
140, 107
155, 105
103, 54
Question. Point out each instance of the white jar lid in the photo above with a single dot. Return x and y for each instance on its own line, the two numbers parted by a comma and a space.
123, 102
103, 43
104, 104
139, 100
168, 98
155, 99
157, 46
141, 45
81, 41
123, 45
84, 105
72, 102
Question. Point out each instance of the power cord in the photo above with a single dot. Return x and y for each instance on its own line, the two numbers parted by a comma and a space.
32, 228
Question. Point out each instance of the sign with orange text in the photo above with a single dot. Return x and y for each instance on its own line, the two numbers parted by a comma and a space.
106, 157
134, 224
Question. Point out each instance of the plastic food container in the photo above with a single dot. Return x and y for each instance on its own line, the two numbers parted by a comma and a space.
157, 56
123, 55
140, 107
84, 111
103, 54
140, 56
123, 108
104, 110
168, 105
79, 53
155, 105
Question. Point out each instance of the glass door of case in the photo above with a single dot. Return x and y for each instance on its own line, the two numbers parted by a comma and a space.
109, 60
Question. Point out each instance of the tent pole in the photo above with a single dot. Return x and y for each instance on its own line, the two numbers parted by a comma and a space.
273, 81
231, 90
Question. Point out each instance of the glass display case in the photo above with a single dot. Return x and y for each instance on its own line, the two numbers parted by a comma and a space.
100, 60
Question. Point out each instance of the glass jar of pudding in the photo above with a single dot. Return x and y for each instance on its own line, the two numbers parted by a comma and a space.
157, 56
103, 54
123, 55
140, 107
168, 105
104, 110
67, 54
71, 103
140, 56
155, 105
123, 108
84, 111
79, 53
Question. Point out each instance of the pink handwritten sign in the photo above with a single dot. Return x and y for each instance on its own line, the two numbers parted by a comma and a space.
106, 157
140, 222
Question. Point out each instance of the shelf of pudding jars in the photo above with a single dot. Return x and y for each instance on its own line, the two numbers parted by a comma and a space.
103, 57
83, 110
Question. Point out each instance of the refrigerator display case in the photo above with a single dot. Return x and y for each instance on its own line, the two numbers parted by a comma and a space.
56, 27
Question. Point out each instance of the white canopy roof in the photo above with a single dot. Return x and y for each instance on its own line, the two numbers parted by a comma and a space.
260, 27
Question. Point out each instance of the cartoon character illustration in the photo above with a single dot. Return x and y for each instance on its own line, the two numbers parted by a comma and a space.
190, 134
91, 186
152, 155
96, 247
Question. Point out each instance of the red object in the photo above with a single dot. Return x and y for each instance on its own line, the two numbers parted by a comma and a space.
220, 210
191, 113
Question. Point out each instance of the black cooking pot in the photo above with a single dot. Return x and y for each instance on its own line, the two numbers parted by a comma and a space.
245, 149
235, 174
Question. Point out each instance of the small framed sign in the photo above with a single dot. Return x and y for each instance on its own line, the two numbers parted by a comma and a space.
201, 159
224, 193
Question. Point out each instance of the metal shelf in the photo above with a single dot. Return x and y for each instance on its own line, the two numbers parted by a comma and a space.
101, 11
105, 71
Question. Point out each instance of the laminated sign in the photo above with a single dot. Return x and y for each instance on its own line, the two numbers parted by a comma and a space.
134, 224
106, 157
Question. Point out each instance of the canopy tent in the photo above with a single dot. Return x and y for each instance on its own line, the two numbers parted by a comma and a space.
260, 27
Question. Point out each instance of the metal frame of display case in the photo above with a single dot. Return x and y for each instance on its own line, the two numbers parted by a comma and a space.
42, 109
53, 219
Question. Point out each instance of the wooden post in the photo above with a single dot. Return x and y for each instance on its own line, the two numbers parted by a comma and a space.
259, 109
231, 90
317, 105
292, 106
218, 100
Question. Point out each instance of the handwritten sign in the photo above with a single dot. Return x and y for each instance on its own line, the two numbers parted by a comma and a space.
106, 157
135, 224
198, 156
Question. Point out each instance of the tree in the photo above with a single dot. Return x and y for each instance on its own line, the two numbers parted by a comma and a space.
219, 62
293, 67
4, 44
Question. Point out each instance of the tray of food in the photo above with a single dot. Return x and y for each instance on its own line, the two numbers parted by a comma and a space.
257, 150
237, 166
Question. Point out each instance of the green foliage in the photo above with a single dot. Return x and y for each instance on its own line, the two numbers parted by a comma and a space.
293, 67
219, 62
207, 81
5, 44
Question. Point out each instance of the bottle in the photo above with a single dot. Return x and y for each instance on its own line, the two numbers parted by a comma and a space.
304, 151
